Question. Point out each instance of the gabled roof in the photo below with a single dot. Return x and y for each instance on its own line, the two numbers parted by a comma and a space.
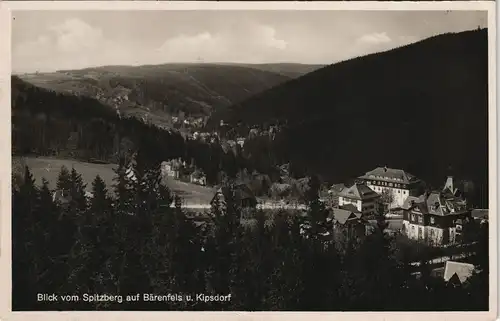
462, 270
409, 202
359, 192
436, 203
336, 188
342, 216
241, 192
390, 175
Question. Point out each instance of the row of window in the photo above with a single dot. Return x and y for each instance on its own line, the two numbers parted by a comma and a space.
389, 184
381, 189
385, 177
432, 232
420, 219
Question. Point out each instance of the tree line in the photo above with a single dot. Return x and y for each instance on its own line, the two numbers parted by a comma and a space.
127, 239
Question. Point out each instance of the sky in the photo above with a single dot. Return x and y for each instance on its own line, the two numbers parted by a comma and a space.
46, 41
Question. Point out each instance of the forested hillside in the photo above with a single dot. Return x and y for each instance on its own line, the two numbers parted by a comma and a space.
422, 107
160, 91
47, 123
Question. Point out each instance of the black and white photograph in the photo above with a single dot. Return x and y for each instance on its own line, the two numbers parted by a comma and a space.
252, 160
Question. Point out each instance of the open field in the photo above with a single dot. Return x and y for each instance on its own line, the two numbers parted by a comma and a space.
49, 168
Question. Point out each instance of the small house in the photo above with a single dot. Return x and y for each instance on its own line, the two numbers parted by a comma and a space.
171, 168
362, 197
62, 197
198, 177
348, 225
243, 196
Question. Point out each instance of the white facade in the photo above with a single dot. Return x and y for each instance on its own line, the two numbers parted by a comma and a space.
433, 235
345, 201
399, 195
419, 233
365, 207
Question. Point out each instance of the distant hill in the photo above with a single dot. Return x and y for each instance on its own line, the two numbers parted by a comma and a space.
162, 90
421, 107
291, 70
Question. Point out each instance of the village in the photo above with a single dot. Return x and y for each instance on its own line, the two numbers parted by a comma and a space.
439, 219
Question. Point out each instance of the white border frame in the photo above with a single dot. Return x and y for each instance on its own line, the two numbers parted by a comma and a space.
5, 158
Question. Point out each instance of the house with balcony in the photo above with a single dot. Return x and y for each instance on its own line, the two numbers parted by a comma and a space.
398, 183
436, 218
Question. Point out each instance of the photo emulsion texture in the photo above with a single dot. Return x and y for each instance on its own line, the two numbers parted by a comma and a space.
250, 160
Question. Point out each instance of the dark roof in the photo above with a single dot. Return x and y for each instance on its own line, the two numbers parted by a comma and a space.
359, 192
462, 270
436, 203
342, 216
337, 188
480, 213
241, 192
350, 207
390, 175
409, 202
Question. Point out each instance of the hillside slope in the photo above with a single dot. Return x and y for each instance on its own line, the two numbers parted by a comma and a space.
422, 107
291, 70
162, 90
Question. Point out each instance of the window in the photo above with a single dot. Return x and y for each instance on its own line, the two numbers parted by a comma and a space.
390, 184
413, 217
432, 220
420, 219
399, 192
405, 192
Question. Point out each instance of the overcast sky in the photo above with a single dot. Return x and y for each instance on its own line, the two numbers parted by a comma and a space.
55, 40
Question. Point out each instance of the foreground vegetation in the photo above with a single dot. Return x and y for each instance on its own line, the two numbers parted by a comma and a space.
137, 243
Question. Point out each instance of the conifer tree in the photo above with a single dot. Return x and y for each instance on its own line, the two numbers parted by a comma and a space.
24, 221
78, 199
64, 180
317, 213
47, 215
123, 188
